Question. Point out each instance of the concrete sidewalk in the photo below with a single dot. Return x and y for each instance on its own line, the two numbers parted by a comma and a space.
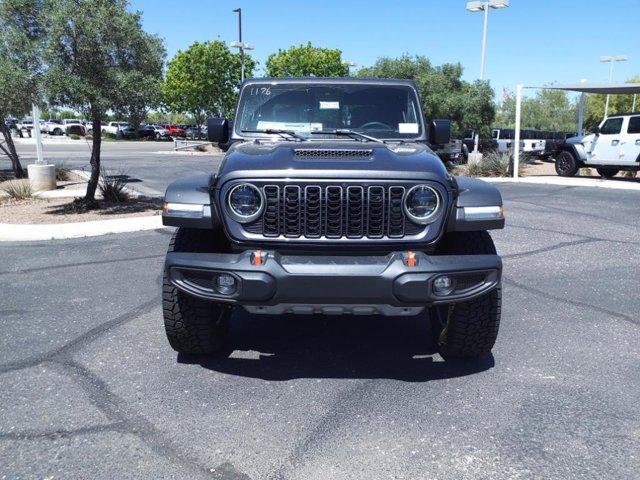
10, 232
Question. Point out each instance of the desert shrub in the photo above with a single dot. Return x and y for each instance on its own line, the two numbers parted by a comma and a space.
494, 165
585, 172
109, 135
62, 172
74, 136
113, 187
17, 189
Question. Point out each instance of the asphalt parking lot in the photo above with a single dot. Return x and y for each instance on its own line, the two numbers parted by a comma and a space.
150, 171
91, 389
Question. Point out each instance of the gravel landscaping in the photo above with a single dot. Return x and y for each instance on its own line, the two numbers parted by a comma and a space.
62, 210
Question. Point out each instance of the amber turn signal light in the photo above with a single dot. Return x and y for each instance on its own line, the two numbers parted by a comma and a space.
410, 259
258, 257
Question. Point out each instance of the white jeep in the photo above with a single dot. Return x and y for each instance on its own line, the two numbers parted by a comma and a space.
614, 146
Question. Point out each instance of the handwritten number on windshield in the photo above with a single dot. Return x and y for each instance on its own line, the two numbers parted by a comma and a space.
260, 91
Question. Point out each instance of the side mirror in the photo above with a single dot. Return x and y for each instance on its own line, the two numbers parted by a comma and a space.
596, 130
440, 132
217, 130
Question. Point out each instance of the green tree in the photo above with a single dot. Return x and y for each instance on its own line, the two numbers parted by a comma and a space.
98, 57
203, 80
595, 103
20, 35
136, 107
547, 110
443, 92
307, 61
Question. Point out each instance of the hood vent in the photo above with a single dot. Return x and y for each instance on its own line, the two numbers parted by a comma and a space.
333, 153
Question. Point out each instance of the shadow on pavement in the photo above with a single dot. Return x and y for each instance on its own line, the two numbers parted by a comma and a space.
277, 348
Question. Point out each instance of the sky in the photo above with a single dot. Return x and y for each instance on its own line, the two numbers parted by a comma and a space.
535, 42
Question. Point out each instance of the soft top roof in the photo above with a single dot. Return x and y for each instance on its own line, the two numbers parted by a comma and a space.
364, 81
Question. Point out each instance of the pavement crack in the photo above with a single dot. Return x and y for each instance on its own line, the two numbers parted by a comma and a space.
323, 428
82, 264
60, 433
550, 248
571, 234
71, 347
117, 410
575, 303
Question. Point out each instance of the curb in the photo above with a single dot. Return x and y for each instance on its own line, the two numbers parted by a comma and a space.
568, 182
10, 232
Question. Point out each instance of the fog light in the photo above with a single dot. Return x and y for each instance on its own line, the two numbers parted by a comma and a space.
443, 285
226, 284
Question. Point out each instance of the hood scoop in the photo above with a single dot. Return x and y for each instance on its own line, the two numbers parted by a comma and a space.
333, 153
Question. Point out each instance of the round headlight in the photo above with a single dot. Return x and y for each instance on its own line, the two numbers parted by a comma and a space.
421, 204
245, 202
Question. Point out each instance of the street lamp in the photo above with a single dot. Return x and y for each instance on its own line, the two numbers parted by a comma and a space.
239, 44
611, 60
484, 6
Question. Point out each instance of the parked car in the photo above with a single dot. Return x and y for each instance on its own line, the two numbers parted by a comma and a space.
146, 131
175, 130
485, 145
88, 125
504, 139
153, 131
68, 122
53, 127
75, 129
115, 127
331, 202
195, 132
614, 146
127, 132
11, 123
24, 127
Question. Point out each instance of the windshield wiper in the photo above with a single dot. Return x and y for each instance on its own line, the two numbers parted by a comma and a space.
347, 133
277, 131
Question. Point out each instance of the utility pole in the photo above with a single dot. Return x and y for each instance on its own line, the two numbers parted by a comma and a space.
611, 60
239, 44
484, 6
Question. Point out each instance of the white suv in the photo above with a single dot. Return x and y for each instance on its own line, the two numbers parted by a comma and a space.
614, 146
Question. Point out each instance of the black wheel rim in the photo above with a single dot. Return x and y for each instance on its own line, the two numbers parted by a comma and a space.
564, 165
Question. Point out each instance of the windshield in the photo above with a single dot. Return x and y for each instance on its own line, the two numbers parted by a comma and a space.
383, 111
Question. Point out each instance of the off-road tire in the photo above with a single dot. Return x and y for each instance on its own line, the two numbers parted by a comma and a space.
467, 329
607, 172
566, 164
192, 325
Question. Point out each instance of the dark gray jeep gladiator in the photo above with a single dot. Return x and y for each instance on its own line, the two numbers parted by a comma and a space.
330, 201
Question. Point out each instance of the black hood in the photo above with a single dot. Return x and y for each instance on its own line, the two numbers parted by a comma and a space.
331, 159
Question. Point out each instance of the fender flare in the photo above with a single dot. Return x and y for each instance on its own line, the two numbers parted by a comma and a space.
576, 149
473, 195
190, 192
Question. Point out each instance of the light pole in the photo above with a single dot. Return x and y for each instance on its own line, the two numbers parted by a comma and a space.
484, 6
611, 60
239, 45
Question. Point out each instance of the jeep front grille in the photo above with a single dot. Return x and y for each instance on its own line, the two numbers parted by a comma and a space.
334, 212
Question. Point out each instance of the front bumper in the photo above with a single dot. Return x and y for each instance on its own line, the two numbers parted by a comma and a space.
333, 284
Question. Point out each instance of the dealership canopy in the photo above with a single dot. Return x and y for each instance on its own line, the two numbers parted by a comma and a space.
582, 87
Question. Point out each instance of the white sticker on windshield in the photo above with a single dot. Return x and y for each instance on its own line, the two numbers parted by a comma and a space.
329, 105
295, 126
408, 128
